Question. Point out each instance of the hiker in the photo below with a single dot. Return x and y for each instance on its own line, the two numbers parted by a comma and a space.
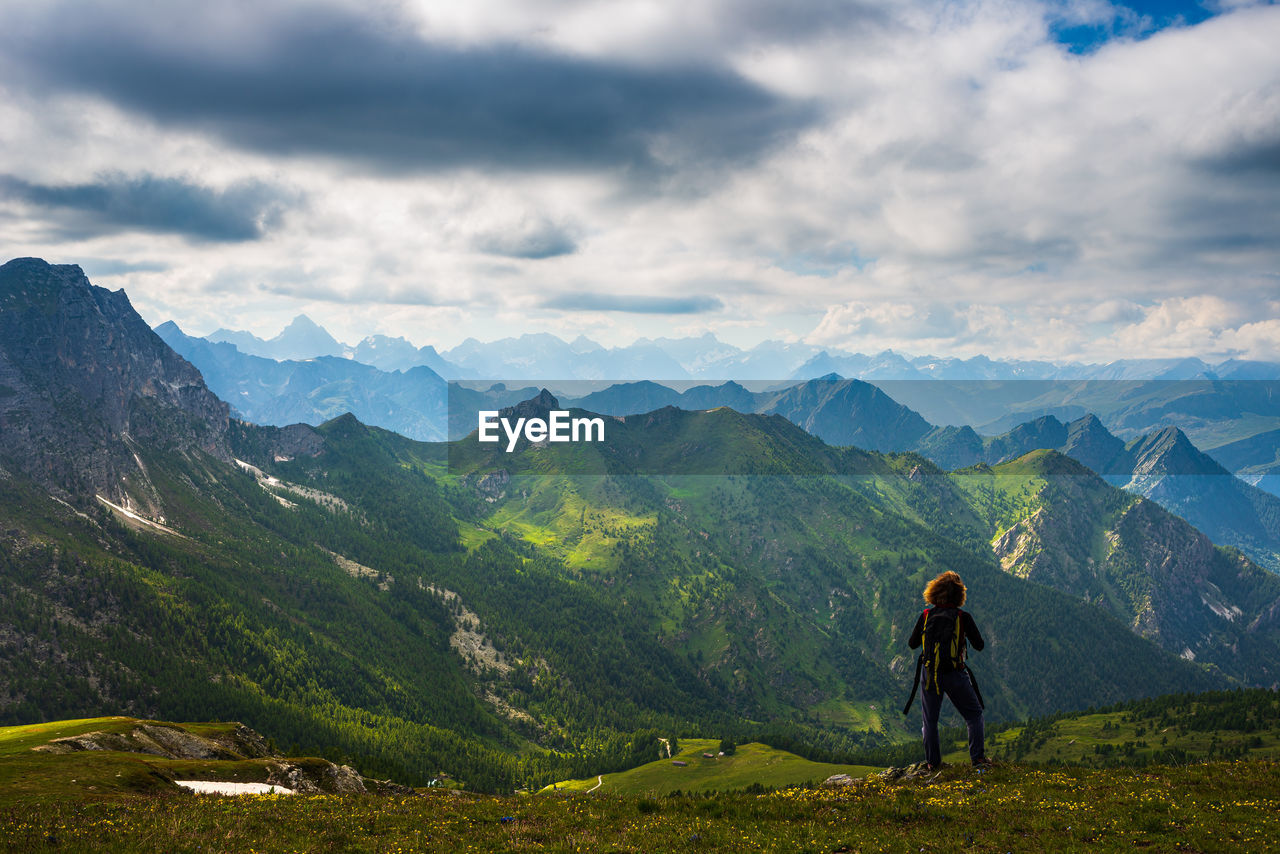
945, 632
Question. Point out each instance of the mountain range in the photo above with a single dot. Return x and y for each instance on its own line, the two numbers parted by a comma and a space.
419, 607
1163, 464
315, 390
545, 357
1217, 406
1220, 405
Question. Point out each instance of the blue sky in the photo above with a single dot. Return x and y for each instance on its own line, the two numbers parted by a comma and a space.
1133, 20
1067, 179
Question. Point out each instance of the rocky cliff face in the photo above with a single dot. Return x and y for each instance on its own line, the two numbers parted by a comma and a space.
1150, 568
1163, 466
84, 382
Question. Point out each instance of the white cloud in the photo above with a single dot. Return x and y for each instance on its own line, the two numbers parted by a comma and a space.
970, 187
1197, 326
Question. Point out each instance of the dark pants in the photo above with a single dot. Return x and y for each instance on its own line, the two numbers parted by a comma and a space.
957, 686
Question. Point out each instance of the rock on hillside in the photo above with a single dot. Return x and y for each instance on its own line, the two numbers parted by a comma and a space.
167, 741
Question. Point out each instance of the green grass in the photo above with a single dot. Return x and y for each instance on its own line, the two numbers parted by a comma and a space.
473, 536
752, 765
559, 515
110, 801
1215, 807
17, 740
858, 716
1106, 739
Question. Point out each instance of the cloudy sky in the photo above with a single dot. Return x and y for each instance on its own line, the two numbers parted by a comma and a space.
1072, 180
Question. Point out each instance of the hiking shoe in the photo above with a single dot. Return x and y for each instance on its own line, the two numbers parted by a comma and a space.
984, 762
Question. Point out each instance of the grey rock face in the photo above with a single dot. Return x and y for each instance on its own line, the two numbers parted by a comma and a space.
83, 380
169, 742
322, 776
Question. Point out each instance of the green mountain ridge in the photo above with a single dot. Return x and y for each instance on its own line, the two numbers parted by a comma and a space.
1057, 523
1163, 466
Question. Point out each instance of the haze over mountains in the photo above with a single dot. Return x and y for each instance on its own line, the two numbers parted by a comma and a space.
1216, 405
543, 357
345, 587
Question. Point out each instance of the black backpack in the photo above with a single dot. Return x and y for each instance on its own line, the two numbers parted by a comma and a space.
942, 650
943, 646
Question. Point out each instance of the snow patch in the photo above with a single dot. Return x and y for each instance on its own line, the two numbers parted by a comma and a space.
214, 787
60, 501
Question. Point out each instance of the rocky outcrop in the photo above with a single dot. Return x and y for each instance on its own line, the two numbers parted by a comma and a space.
264, 445
85, 383
167, 741
918, 771
1152, 570
313, 776
238, 744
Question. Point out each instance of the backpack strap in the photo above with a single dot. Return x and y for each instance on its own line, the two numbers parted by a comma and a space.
915, 684
973, 680
957, 642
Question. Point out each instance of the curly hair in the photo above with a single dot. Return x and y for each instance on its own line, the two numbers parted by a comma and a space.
946, 589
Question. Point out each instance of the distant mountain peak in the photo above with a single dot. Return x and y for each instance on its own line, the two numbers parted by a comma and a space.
539, 406
1169, 451
303, 338
583, 344
301, 321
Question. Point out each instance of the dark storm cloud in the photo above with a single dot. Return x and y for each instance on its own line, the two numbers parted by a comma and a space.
1229, 205
325, 82
115, 203
542, 240
634, 303
1247, 160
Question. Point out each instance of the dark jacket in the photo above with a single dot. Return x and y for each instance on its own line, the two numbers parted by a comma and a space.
969, 628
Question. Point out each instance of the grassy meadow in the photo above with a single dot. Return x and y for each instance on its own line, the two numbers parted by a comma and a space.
1220, 792
1224, 806
751, 765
